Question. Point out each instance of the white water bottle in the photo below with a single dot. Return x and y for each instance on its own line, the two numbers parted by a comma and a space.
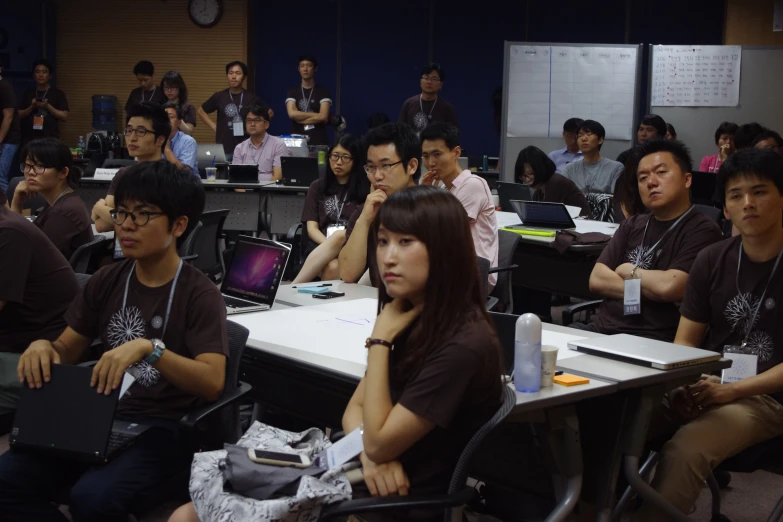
527, 354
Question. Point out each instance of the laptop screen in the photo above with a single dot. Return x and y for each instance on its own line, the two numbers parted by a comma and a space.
536, 213
256, 270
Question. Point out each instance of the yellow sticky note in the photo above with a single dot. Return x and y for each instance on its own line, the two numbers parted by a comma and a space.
570, 380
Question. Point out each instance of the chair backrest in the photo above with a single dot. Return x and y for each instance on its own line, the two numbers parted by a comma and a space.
516, 191
713, 213
31, 204
703, 186
507, 246
229, 416
506, 327
186, 248
83, 260
116, 163
206, 245
483, 268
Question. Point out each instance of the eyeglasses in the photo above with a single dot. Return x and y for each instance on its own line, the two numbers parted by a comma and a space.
140, 132
338, 157
140, 218
170, 88
255, 120
433, 79
385, 168
585, 135
38, 169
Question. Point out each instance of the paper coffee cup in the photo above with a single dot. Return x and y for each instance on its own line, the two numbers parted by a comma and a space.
548, 365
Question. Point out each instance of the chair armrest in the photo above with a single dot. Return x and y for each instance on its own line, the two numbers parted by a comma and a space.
570, 311
375, 504
497, 269
194, 417
291, 234
491, 303
189, 258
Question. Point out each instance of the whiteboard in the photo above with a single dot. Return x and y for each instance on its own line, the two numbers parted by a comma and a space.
548, 84
696, 76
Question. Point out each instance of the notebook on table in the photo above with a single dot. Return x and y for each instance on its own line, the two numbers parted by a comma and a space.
643, 351
252, 280
540, 215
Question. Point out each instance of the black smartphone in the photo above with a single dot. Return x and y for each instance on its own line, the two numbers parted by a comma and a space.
328, 295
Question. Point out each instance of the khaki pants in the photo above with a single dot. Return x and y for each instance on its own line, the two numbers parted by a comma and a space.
10, 387
700, 445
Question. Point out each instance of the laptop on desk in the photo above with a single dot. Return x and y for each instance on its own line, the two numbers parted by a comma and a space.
644, 352
255, 274
508, 191
68, 418
540, 215
243, 173
208, 154
299, 172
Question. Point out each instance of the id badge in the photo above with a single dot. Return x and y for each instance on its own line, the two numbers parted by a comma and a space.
334, 228
239, 128
38, 122
345, 449
632, 297
309, 127
743, 364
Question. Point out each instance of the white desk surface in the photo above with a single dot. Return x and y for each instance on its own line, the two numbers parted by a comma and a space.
289, 294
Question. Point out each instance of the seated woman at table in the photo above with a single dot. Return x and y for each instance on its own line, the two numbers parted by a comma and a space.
534, 168
724, 139
49, 171
330, 202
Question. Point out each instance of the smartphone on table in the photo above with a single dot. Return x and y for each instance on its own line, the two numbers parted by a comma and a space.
328, 295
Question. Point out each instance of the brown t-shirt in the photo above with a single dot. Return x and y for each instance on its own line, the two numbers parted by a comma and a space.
712, 297
67, 224
560, 189
51, 125
676, 252
136, 96
36, 283
188, 113
197, 325
330, 207
458, 389
229, 109
310, 100
419, 115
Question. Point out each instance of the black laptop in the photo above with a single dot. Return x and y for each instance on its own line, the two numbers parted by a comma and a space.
69, 418
508, 191
243, 173
299, 172
542, 215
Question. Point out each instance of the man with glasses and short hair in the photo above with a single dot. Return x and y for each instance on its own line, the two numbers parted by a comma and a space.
180, 149
594, 174
146, 133
570, 153
147, 91
261, 148
308, 104
425, 108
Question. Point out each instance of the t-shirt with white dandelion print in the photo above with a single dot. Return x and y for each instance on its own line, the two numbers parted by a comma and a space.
197, 325
677, 251
712, 298
331, 207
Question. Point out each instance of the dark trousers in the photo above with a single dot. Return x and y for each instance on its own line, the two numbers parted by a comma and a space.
30, 482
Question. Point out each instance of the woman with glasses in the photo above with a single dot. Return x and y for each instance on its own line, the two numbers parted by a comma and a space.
173, 86
48, 171
330, 202
535, 168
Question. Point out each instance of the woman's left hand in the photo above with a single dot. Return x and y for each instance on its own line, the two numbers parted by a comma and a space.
393, 319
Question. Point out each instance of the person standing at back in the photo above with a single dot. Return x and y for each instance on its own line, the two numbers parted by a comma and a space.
147, 91
428, 107
570, 153
45, 106
308, 104
176, 91
10, 133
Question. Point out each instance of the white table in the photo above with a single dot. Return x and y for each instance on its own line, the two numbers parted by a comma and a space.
289, 294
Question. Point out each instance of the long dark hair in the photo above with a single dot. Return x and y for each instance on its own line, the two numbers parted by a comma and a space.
175, 79
358, 184
543, 167
53, 153
453, 289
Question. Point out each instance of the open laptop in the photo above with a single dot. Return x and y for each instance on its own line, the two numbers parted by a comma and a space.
299, 172
66, 417
207, 152
644, 352
540, 215
243, 173
508, 191
254, 276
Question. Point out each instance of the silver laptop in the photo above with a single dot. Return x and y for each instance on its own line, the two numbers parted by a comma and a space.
254, 276
642, 351
541, 215
208, 154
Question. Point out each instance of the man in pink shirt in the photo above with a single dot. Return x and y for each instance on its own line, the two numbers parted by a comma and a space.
261, 148
440, 151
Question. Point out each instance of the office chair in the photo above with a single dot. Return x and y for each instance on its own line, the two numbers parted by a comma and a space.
33, 204
506, 328
85, 259
458, 495
298, 239
507, 246
116, 163
588, 308
715, 214
206, 244
186, 248
483, 269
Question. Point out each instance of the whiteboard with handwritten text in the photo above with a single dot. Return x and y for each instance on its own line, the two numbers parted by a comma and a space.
548, 84
696, 76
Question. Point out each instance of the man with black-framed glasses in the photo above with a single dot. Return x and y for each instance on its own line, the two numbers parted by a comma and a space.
422, 109
261, 148
146, 133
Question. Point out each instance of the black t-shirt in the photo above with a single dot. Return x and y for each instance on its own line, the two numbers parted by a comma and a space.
8, 101
310, 100
67, 224
332, 207
418, 113
229, 109
51, 125
137, 96
188, 113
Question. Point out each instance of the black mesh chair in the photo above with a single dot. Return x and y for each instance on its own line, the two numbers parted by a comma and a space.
187, 246
32, 204
298, 239
206, 244
507, 246
86, 258
459, 493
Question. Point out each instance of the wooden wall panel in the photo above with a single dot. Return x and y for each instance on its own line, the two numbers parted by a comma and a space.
749, 22
99, 42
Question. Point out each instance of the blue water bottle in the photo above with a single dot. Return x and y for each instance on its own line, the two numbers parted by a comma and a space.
484, 163
527, 354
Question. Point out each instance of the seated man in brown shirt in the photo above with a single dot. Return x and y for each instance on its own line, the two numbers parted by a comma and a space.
732, 299
657, 248
159, 319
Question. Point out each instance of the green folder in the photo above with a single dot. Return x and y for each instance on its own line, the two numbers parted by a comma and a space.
531, 232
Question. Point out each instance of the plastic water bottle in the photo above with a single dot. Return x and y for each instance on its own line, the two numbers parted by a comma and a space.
80, 146
527, 354
485, 163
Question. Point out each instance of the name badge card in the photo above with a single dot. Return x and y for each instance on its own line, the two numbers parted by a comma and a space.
334, 228
309, 127
742, 365
38, 122
345, 449
632, 297
239, 128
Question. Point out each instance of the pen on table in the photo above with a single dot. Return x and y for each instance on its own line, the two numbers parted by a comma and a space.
313, 286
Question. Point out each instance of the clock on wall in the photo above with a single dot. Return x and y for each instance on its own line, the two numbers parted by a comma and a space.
205, 13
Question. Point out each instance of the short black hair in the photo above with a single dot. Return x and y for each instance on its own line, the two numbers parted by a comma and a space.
259, 109
653, 120
593, 127
241, 65
404, 139
543, 166
308, 58
726, 127
161, 125
678, 150
447, 132
767, 134
53, 153
144, 67
757, 163
434, 67
171, 105
43, 61
671, 130
746, 133
573, 125
174, 79
176, 192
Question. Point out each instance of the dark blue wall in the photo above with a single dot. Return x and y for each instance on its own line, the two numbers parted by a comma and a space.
22, 22
384, 45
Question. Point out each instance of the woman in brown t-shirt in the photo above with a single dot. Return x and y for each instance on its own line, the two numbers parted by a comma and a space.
48, 170
534, 168
433, 367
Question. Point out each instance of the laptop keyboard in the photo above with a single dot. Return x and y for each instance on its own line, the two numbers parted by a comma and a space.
233, 302
118, 441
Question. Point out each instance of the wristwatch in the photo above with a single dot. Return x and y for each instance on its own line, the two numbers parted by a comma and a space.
157, 350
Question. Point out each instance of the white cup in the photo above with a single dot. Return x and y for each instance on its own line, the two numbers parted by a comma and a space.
211, 174
548, 365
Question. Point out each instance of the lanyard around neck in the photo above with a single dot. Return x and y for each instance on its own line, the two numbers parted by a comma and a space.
763, 294
64, 192
672, 227
307, 105
151, 95
241, 97
171, 294
44, 94
421, 106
